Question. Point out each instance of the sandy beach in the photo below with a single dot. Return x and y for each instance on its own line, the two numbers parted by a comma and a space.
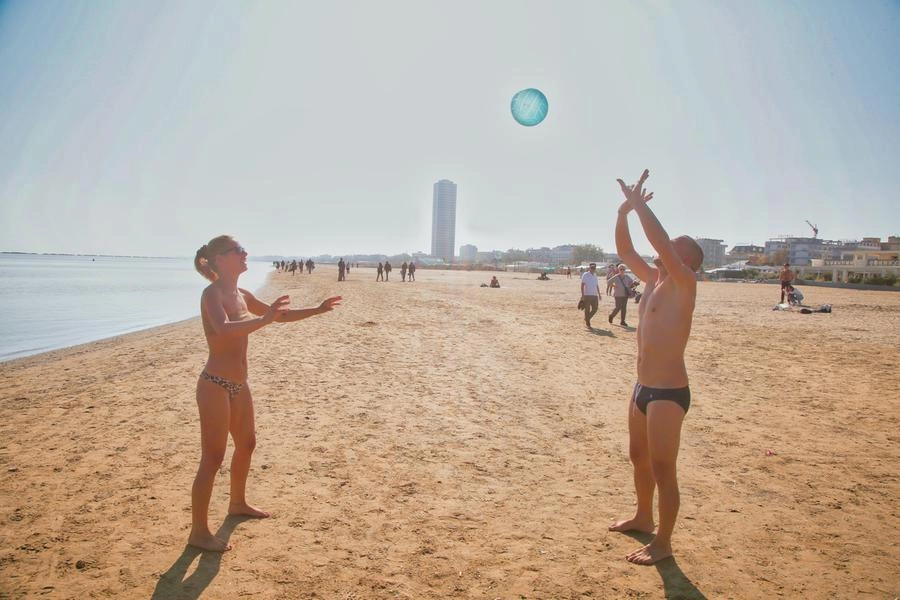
437, 439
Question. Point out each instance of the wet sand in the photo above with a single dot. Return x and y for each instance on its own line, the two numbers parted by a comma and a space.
437, 439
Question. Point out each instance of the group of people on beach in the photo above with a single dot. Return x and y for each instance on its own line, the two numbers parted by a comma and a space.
656, 407
407, 271
791, 297
292, 266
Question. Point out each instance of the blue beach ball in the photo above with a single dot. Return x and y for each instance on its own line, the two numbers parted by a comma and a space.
529, 107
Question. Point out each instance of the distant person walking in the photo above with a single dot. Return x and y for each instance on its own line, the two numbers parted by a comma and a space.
411, 271
610, 272
622, 284
229, 315
590, 293
786, 276
387, 270
341, 270
403, 271
380, 271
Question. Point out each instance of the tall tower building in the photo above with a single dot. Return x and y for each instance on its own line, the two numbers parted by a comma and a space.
443, 220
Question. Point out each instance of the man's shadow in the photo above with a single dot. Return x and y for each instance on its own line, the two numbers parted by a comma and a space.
676, 584
176, 584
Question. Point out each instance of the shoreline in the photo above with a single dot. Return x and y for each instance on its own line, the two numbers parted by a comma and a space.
437, 439
64, 352
118, 334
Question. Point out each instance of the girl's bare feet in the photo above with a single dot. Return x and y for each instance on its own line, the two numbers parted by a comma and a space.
207, 541
247, 510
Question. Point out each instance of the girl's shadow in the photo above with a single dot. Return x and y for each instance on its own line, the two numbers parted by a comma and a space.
176, 584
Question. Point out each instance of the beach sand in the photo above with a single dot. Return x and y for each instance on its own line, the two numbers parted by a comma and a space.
437, 439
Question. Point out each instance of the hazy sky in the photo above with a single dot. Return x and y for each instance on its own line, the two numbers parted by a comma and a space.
309, 127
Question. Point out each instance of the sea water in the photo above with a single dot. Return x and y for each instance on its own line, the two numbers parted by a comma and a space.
50, 301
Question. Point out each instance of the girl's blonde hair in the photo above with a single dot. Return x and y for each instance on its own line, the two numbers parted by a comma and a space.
204, 262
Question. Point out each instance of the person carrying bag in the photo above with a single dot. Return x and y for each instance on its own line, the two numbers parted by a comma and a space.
624, 289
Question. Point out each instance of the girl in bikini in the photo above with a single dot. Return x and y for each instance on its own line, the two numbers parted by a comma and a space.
229, 314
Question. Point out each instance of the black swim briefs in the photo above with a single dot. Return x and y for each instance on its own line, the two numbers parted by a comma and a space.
644, 395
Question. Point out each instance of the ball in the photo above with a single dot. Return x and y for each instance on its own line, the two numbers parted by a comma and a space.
529, 107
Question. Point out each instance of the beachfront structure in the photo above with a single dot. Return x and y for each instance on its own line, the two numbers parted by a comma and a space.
800, 251
493, 257
713, 251
468, 253
744, 252
558, 255
443, 220
869, 257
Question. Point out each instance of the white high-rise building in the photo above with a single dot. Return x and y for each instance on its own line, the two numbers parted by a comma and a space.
443, 220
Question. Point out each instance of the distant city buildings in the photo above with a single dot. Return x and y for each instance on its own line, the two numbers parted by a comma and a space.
867, 258
713, 252
443, 220
558, 255
810, 257
468, 253
842, 261
494, 257
743, 252
800, 251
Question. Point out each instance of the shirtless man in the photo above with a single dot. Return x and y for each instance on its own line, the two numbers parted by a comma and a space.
661, 396
229, 314
786, 276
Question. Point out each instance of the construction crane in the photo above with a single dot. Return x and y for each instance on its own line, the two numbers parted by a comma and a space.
814, 228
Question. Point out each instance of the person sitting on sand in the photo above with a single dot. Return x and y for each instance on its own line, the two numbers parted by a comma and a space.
229, 314
661, 396
495, 283
794, 296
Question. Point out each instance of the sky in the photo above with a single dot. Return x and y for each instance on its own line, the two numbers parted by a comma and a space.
305, 128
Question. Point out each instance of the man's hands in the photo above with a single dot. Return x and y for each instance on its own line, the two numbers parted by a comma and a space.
635, 195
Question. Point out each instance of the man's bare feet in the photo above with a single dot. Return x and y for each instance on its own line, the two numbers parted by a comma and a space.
247, 510
207, 541
650, 554
634, 524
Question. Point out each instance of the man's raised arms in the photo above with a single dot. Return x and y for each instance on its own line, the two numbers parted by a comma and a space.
637, 198
624, 245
